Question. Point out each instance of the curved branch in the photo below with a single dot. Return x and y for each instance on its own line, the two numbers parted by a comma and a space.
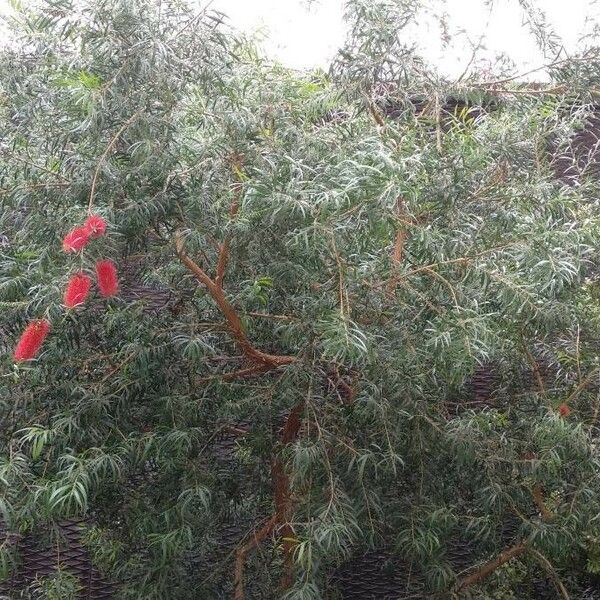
234, 323
552, 572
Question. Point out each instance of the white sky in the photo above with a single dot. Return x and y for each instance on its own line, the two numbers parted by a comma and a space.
306, 33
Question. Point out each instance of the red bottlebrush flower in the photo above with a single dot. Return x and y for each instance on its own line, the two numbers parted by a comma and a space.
564, 410
31, 339
77, 290
108, 281
76, 239
95, 226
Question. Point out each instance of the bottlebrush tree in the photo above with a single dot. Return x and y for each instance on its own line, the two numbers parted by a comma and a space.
381, 319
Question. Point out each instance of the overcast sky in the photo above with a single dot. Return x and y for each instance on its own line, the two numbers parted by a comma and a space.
306, 33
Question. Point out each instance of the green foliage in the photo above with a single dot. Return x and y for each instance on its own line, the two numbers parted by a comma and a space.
60, 586
392, 262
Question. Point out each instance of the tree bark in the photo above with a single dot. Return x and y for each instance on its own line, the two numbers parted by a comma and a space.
489, 567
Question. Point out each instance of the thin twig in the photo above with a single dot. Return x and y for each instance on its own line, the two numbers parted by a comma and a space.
401, 233
399, 241
462, 260
35, 186
439, 277
531, 71
578, 354
112, 142
344, 309
260, 315
581, 386
438, 124
40, 167
376, 115
239, 374
596, 409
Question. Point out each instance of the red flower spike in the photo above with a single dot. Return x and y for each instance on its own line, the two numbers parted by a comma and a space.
31, 339
564, 410
77, 290
95, 226
108, 281
76, 239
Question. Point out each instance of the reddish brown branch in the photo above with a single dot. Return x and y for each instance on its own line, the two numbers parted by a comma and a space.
224, 248
401, 233
401, 236
249, 372
399, 241
349, 391
283, 499
538, 498
196, 269
535, 368
292, 425
234, 323
282, 509
241, 553
283, 504
345, 391
376, 115
489, 567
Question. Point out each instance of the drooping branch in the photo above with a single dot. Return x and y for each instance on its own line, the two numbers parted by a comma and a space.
552, 572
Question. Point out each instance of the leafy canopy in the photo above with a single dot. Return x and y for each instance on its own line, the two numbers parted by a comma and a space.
392, 248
